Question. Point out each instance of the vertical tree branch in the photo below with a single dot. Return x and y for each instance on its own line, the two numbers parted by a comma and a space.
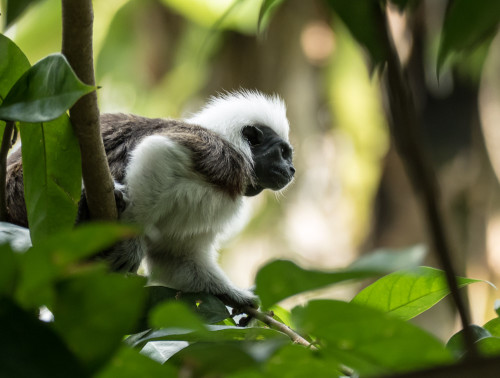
4, 150
403, 120
77, 47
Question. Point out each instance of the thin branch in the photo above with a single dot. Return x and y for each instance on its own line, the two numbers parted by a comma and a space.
265, 318
4, 150
77, 47
294, 336
405, 129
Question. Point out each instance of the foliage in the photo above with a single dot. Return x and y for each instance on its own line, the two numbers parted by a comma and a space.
90, 317
39, 96
411, 292
93, 310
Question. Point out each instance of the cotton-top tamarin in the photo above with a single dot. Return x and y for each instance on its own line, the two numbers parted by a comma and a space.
184, 183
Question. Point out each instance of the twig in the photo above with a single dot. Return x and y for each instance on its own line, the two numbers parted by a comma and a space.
264, 318
294, 336
404, 127
77, 47
4, 150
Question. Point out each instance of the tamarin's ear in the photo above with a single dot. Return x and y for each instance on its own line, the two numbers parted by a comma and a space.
253, 135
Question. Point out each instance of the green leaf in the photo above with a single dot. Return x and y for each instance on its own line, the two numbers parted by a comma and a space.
281, 315
493, 327
266, 9
13, 63
212, 333
92, 315
9, 270
297, 361
55, 256
14, 9
407, 293
161, 351
207, 306
388, 260
489, 346
456, 343
175, 315
30, 348
281, 279
369, 341
129, 363
123, 44
205, 358
44, 92
210, 308
466, 25
52, 176
366, 23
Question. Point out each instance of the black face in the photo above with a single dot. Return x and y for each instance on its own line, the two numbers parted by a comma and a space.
272, 158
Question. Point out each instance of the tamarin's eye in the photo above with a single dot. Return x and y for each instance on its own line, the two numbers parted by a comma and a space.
286, 151
253, 135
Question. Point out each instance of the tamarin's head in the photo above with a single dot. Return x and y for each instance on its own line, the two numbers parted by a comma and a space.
257, 126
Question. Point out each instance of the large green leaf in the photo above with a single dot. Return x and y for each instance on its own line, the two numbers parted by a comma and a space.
52, 176
493, 327
212, 333
129, 363
281, 279
205, 358
15, 8
365, 21
38, 30
367, 340
44, 92
125, 45
456, 343
489, 346
9, 270
94, 310
297, 361
266, 9
13, 64
29, 348
210, 308
407, 293
176, 315
54, 257
467, 24
161, 351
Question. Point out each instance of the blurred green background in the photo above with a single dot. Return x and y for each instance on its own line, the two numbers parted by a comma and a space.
164, 58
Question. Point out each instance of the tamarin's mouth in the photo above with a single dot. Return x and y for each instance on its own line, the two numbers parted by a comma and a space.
281, 178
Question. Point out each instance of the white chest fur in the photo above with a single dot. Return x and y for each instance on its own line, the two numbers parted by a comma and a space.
171, 200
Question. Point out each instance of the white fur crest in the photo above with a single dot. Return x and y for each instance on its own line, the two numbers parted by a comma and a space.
228, 113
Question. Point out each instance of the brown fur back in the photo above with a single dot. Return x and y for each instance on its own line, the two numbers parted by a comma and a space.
213, 157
